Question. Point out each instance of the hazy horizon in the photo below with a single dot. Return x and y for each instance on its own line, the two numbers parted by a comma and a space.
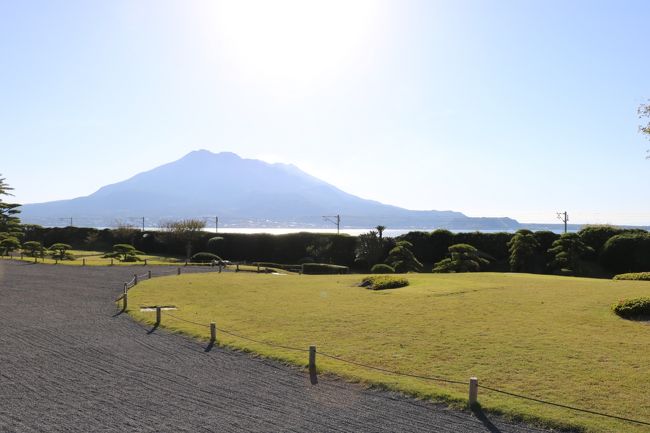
510, 109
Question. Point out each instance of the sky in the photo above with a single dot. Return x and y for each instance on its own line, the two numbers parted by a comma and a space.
491, 108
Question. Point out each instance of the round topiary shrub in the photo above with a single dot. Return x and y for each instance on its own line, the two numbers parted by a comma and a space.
205, 257
381, 268
635, 308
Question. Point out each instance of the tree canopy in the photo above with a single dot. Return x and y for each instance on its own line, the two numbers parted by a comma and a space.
463, 258
522, 248
9, 221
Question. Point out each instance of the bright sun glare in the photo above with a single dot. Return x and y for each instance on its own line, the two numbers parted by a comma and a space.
294, 43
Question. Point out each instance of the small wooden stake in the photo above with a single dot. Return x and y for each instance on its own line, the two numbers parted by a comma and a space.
135, 279
473, 391
258, 268
145, 262
83, 261
158, 316
126, 287
213, 332
237, 270
178, 271
111, 262
149, 274
312, 365
125, 301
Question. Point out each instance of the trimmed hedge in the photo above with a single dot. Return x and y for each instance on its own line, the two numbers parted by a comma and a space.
636, 276
636, 308
323, 268
381, 268
383, 282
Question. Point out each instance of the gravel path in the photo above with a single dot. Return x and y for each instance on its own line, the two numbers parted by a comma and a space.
68, 363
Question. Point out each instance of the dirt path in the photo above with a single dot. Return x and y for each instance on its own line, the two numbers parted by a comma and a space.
68, 364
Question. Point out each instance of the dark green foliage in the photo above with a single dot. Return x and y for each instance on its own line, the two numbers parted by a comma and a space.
634, 276
463, 258
383, 282
567, 252
124, 253
205, 257
8, 245
59, 251
9, 221
523, 246
636, 308
370, 249
319, 249
402, 259
381, 268
33, 249
595, 236
627, 252
323, 268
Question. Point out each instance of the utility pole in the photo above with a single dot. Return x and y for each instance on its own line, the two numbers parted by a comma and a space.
564, 217
143, 224
67, 218
216, 224
335, 219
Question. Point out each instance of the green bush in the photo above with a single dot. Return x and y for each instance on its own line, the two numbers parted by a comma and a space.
323, 268
381, 268
636, 276
204, 257
636, 308
627, 252
383, 282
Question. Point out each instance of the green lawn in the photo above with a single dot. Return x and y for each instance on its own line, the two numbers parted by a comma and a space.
548, 337
95, 258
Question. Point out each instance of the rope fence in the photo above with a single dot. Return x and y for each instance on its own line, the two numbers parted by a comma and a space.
473, 382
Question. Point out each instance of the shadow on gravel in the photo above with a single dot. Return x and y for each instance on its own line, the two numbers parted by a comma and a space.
481, 416
209, 347
155, 326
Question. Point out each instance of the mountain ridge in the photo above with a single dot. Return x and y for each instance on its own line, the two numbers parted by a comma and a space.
244, 193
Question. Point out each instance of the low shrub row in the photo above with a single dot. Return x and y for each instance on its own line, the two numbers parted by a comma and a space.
636, 276
382, 269
636, 308
383, 282
323, 268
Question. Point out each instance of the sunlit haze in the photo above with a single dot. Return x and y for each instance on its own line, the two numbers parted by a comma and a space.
509, 108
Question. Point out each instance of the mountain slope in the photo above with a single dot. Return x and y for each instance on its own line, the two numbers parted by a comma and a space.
245, 192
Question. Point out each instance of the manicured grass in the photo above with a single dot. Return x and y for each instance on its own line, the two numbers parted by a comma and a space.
547, 337
94, 258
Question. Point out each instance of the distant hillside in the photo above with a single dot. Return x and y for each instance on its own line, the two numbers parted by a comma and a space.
243, 193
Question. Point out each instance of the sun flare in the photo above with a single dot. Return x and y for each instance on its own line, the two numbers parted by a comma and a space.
292, 42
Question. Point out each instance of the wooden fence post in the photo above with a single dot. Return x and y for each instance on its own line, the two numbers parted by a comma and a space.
219, 267
111, 262
258, 268
237, 270
178, 271
213, 332
135, 279
473, 391
149, 274
312, 365
83, 262
125, 301
158, 316
145, 262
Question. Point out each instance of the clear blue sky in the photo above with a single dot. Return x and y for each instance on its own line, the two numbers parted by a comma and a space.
492, 108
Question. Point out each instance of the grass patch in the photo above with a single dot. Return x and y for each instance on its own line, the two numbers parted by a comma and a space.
383, 282
548, 337
95, 258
